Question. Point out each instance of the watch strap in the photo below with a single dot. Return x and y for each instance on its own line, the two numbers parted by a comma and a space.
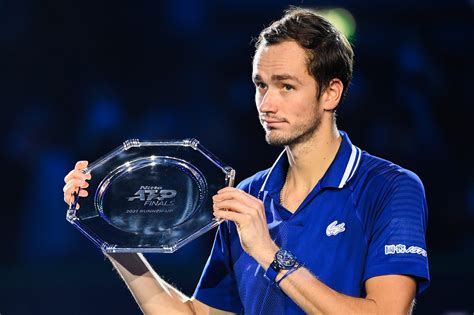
290, 271
271, 274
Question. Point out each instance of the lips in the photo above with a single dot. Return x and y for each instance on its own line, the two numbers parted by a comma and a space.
272, 123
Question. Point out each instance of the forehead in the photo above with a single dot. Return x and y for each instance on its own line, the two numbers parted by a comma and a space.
286, 57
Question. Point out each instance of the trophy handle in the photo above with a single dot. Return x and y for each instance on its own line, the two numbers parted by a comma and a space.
71, 212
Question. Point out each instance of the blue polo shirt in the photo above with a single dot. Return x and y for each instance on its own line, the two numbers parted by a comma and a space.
366, 217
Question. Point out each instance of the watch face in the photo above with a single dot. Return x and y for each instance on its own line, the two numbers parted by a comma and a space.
285, 259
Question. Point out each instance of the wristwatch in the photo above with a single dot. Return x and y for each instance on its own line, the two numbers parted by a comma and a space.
284, 260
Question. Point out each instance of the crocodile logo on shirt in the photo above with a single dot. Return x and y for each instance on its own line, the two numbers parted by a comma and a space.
334, 228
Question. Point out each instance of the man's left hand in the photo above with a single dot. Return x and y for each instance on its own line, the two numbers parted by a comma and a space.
248, 214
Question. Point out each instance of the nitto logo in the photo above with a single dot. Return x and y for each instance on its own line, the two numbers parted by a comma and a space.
154, 196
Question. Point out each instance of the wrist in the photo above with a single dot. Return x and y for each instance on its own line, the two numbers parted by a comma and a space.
281, 276
266, 255
284, 263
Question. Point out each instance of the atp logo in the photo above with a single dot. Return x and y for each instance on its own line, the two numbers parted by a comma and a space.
154, 196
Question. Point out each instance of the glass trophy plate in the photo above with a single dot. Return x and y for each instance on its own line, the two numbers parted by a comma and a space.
150, 196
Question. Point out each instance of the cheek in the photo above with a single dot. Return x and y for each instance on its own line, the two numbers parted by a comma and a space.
258, 99
303, 111
306, 104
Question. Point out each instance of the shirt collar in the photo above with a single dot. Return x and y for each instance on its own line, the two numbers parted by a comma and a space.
339, 173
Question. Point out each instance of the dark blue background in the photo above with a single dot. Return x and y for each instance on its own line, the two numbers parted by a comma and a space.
78, 78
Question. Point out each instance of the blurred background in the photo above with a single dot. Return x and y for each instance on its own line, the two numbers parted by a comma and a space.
78, 78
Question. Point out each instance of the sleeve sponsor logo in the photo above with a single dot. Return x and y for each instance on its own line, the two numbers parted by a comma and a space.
402, 249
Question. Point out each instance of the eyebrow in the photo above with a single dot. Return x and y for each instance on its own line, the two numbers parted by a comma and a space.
278, 77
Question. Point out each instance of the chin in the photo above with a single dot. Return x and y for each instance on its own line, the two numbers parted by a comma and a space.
278, 140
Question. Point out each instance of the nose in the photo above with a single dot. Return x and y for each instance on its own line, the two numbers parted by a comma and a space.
266, 102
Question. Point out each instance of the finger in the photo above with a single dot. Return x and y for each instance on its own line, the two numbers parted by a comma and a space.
77, 174
228, 189
80, 165
235, 206
238, 191
83, 193
72, 174
71, 190
240, 195
230, 193
69, 199
75, 183
229, 215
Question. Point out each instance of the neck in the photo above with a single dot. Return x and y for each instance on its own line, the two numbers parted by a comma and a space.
309, 161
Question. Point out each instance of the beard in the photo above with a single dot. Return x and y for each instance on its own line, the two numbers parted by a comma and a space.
301, 134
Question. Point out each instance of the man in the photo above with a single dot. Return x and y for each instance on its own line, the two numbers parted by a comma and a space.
328, 228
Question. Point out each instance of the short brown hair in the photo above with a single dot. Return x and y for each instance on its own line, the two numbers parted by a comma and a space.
329, 53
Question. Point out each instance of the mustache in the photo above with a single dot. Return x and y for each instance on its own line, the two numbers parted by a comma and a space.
272, 117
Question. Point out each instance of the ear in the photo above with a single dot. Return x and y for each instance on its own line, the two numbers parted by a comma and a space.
332, 95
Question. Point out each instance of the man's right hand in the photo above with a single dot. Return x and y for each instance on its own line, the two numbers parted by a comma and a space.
75, 180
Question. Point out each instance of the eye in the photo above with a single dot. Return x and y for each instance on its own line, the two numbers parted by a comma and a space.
260, 85
288, 87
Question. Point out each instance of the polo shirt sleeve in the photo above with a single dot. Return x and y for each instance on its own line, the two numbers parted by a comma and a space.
397, 241
217, 286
